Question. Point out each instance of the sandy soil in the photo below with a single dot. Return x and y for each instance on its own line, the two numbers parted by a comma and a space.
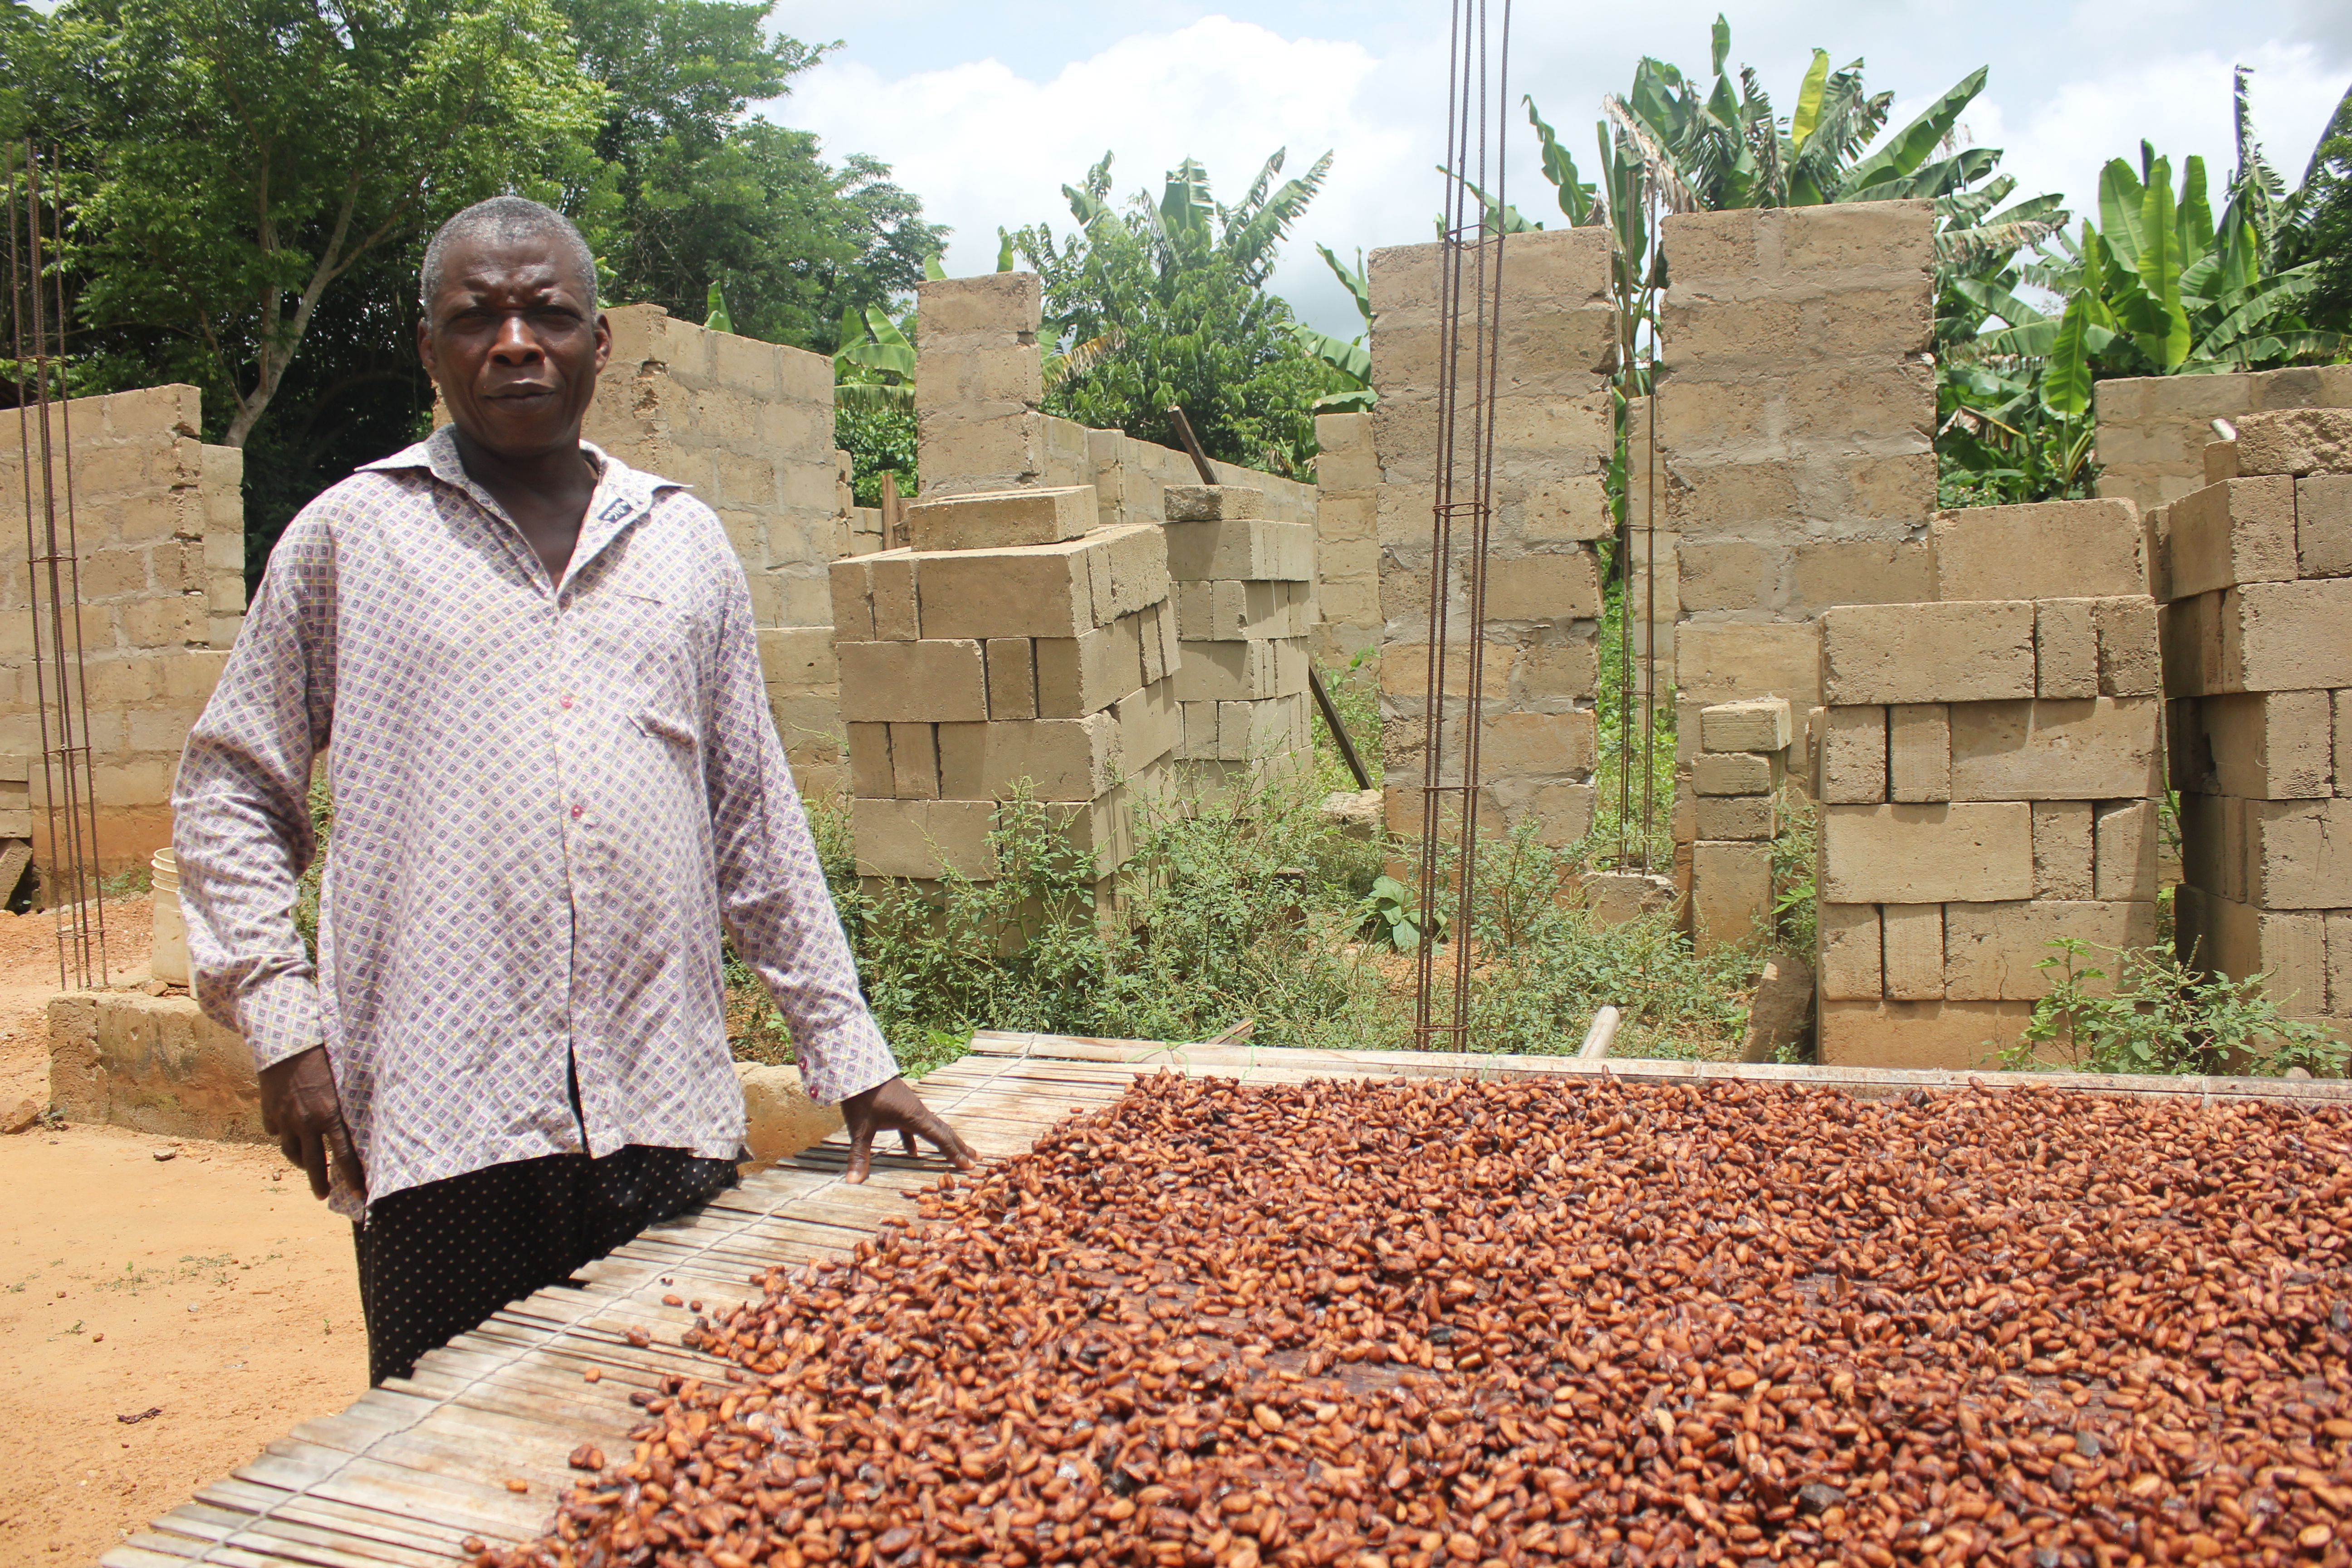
209, 1286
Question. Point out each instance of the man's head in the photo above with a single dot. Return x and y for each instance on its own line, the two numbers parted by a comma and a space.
510, 330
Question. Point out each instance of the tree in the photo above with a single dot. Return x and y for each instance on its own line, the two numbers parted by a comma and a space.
703, 194
1165, 303
235, 158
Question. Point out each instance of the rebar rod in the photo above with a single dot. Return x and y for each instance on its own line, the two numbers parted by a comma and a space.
1469, 340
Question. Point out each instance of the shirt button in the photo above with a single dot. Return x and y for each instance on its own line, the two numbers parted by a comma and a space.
565, 700
578, 812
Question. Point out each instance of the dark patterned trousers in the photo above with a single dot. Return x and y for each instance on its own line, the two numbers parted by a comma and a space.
437, 1260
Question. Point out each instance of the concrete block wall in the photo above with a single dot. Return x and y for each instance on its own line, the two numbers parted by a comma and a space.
1347, 538
749, 425
1734, 818
1246, 548
159, 523
1014, 647
1243, 586
1988, 770
1795, 420
2153, 430
1551, 442
2258, 667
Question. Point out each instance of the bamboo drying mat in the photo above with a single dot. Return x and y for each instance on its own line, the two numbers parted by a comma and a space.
411, 1469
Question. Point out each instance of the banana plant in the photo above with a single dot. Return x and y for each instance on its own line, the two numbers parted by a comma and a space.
1348, 362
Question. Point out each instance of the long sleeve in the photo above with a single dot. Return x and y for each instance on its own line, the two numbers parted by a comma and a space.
771, 888
241, 819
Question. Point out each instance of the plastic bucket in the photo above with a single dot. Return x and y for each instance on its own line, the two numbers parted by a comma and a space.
170, 961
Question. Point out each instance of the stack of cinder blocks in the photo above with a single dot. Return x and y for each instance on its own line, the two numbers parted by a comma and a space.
1733, 806
1013, 648
2258, 658
1988, 776
1244, 605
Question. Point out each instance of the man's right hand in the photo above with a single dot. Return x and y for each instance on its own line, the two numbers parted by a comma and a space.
300, 1109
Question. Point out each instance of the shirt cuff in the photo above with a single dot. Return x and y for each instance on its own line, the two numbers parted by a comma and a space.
853, 1058
279, 1018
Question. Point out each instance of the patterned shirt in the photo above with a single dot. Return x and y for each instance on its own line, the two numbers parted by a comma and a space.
548, 798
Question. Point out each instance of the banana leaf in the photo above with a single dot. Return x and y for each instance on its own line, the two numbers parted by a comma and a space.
873, 396
2121, 197
1575, 196
2066, 381
1353, 279
1351, 359
1808, 113
1909, 147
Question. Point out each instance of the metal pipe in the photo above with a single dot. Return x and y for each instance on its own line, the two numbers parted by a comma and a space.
1598, 1038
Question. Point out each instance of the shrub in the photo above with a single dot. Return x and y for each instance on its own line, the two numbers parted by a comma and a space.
2163, 1016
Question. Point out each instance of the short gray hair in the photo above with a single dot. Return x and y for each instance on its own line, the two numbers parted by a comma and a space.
503, 220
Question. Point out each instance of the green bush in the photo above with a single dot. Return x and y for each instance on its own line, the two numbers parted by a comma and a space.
2161, 1016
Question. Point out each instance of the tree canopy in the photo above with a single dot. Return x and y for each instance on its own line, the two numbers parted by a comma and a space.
1164, 302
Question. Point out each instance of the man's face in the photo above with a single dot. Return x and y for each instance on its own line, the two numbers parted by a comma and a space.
514, 345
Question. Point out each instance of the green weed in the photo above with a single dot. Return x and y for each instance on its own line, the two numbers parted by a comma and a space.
2161, 1016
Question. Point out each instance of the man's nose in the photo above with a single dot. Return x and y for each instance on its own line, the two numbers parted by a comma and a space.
514, 343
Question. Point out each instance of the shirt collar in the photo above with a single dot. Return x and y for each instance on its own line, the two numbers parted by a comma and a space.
622, 494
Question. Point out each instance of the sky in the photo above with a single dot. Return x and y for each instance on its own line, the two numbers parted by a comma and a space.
986, 110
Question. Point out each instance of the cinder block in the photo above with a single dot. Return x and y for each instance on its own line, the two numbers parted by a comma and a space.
2343, 741
2214, 844
1211, 503
1734, 817
904, 682
1078, 676
1563, 586
1850, 965
2323, 525
2064, 833
1952, 1035
2295, 441
1919, 752
853, 606
2130, 663
2299, 854
869, 761
2339, 960
1056, 759
2217, 935
998, 520
1062, 590
1731, 893
1853, 756
914, 761
1150, 727
2221, 461
1993, 951
1733, 773
1758, 725
2044, 550
924, 838
2128, 837
892, 576
2104, 749
1971, 652
2240, 530
1913, 945
1011, 678
1731, 661
1864, 571
1541, 745
2262, 745
2065, 648
1947, 853
1248, 549
2287, 636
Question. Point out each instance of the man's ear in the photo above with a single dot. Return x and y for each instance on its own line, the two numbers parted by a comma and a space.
425, 347
604, 343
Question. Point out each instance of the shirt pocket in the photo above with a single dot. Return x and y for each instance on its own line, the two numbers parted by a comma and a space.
641, 656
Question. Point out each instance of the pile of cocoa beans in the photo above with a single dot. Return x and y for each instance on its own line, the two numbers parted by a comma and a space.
1456, 1324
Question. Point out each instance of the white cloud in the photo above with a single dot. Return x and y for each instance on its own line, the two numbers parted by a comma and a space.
985, 145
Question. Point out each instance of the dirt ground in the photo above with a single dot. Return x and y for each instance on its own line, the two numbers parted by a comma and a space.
209, 1287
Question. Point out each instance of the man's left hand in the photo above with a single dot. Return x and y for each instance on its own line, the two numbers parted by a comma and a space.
892, 1106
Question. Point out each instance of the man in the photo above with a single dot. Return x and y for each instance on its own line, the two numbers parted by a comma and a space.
555, 775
